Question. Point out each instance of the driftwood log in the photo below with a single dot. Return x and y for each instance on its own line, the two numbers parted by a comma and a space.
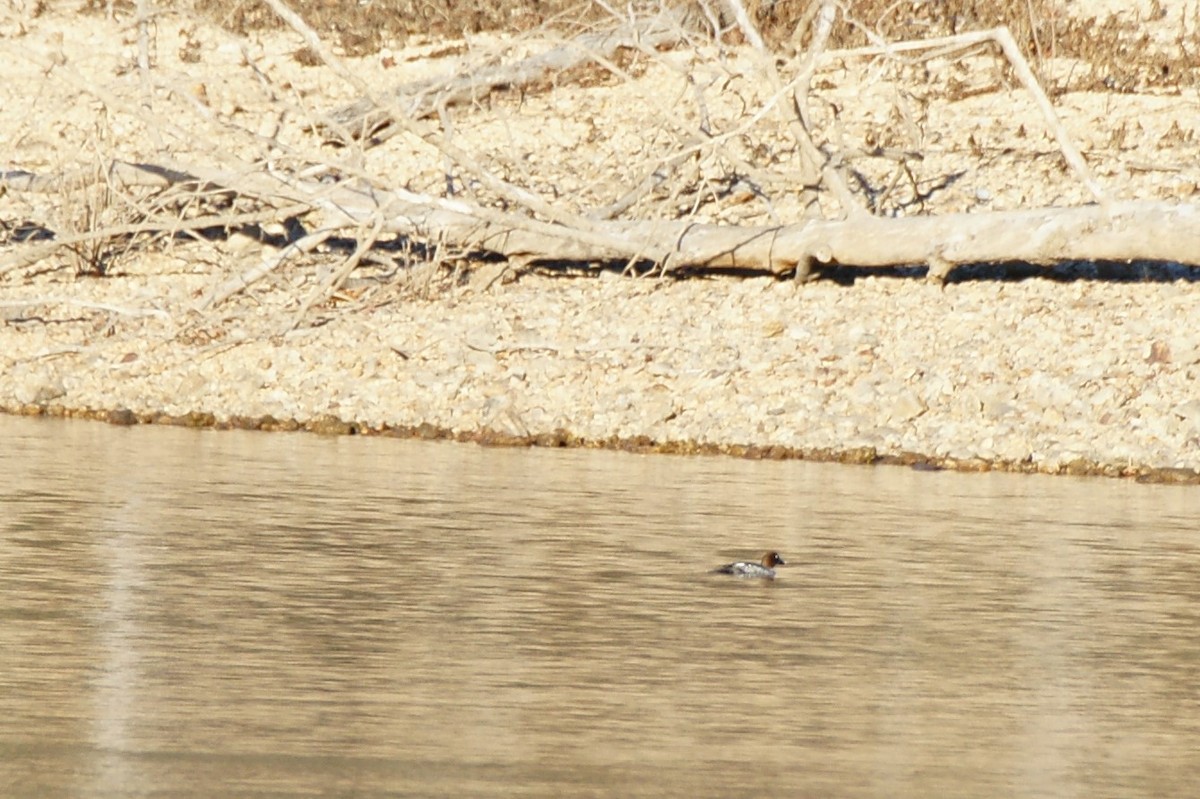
1124, 231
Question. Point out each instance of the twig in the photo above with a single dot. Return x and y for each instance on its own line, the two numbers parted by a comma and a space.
335, 280
1003, 38
33, 253
822, 28
242, 281
314, 43
368, 117
658, 172
94, 306
143, 56
813, 156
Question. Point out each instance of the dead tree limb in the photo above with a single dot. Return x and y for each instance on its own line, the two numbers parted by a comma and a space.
1134, 230
1125, 231
1003, 39
371, 120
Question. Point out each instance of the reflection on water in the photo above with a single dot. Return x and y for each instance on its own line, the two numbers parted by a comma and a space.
196, 614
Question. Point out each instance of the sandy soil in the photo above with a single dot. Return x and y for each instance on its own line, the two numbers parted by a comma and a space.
1083, 369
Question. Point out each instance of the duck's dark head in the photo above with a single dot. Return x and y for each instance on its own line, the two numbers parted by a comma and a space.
772, 559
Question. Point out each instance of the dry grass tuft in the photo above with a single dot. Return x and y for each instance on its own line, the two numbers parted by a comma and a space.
1116, 50
364, 28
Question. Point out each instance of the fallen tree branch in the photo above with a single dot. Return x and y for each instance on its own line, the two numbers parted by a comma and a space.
91, 306
1003, 39
543, 229
349, 206
812, 158
453, 152
36, 251
120, 174
1133, 230
1126, 231
325, 289
371, 119
270, 262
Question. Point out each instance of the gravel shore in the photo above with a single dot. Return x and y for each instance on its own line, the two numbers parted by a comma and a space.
1077, 377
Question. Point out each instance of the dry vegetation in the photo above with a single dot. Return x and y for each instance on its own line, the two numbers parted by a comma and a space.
728, 152
1117, 50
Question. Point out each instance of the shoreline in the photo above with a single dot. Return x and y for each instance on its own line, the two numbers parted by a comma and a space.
561, 439
1034, 376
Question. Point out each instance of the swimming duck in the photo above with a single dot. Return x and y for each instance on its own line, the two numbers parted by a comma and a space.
745, 569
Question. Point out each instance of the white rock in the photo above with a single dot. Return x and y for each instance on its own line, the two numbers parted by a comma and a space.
905, 407
1188, 411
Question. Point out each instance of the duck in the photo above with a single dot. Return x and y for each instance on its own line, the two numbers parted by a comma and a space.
765, 568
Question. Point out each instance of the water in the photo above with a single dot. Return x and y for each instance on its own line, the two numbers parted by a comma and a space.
198, 614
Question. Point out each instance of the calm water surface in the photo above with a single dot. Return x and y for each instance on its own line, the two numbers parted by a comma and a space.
199, 614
